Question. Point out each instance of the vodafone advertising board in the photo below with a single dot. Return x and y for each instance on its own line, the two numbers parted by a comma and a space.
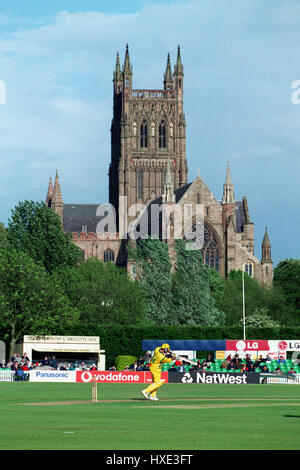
117, 377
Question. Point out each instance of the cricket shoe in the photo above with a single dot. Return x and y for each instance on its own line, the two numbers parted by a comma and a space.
153, 398
146, 395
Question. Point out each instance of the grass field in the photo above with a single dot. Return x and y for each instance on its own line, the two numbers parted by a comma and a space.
187, 416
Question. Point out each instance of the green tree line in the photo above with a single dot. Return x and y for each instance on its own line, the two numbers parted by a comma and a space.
46, 287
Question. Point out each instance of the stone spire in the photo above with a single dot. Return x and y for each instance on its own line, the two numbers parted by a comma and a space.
168, 194
178, 69
127, 68
266, 247
168, 79
49, 193
117, 71
228, 189
57, 200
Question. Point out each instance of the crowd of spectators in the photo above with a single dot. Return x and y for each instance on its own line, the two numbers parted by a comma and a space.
21, 365
231, 363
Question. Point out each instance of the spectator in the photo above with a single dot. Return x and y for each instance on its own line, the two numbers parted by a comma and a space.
225, 364
17, 358
250, 367
235, 360
14, 366
54, 363
209, 360
112, 368
292, 372
265, 369
231, 366
278, 371
72, 367
46, 362
133, 366
82, 366
20, 373
26, 366
281, 360
94, 367
177, 363
25, 358
63, 367
268, 359
228, 358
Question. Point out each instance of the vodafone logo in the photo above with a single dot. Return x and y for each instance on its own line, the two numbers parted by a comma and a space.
282, 345
86, 377
240, 345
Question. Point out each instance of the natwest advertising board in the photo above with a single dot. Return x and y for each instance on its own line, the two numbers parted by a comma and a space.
116, 377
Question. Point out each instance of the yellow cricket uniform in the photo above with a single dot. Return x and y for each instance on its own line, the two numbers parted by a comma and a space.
156, 363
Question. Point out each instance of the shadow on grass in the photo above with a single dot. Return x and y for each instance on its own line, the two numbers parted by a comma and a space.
291, 416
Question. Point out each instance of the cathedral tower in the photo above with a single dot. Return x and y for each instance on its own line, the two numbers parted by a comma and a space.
148, 129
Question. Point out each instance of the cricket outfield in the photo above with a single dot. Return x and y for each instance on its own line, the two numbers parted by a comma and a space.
62, 416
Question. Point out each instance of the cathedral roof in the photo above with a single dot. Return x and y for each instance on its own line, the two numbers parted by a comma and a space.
241, 217
76, 216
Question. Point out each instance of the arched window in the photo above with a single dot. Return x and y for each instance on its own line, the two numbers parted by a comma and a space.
144, 134
162, 135
249, 268
208, 244
109, 255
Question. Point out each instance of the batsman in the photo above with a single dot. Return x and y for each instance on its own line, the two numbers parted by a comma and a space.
162, 355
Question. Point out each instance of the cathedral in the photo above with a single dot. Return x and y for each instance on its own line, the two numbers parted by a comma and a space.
148, 169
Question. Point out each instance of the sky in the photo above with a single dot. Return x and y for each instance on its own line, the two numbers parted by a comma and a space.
241, 61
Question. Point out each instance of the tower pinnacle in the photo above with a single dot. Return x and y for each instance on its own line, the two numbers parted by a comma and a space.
168, 79
117, 71
127, 68
228, 189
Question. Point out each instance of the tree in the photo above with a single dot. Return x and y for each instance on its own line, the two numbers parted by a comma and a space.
178, 298
30, 301
230, 299
153, 270
260, 318
3, 236
36, 229
191, 295
287, 278
102, 293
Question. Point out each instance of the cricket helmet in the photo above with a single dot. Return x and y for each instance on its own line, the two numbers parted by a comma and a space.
165, 346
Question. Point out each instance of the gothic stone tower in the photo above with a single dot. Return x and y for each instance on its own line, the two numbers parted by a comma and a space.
148, 128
